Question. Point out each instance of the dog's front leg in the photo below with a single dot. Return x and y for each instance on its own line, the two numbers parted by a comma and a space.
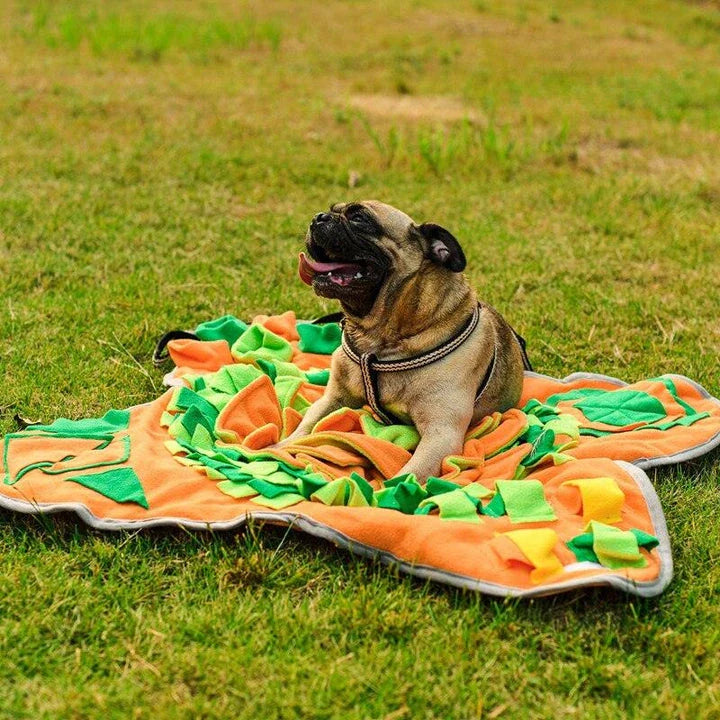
439, 436
328, 403
337, 394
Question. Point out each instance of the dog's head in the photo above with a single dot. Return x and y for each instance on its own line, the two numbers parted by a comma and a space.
361, 251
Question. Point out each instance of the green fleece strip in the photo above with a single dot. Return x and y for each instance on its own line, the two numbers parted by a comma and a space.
645, 540
202, 438
476, 491
231, 473
216, 398
404, 436
455, 505
672, 389
8, 480
577, 394
564, 425
220, 461
544, 448
287, 369
260, 468
275, 369
495, 508
582, 545
511, 442
488, 424
437, 486
227, 328
174, 446
683, 422
543, 443
525, 501
259, 342
124, 441
621, 408
233, 378
270, 490
592, 432
543, 411
236, 490
280, 477
425, 510
110, 423
319, 339
364, 487
615, 548
341, 491
183, 399
311, 482
402, 493
268, 368
193, 417
318, 377
104, 440
275, 483
121, 485
220, 453
300, 404
278, 502
179, 432
555, 458
214, 474
286, 388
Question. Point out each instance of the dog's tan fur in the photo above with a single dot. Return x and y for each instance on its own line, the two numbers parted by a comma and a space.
419, 306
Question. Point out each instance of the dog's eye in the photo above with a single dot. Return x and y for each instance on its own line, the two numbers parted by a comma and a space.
357, 219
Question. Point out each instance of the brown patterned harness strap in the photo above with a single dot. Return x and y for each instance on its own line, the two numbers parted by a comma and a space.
369, 379
370, 365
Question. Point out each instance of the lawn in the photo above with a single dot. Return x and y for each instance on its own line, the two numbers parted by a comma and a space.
159, 162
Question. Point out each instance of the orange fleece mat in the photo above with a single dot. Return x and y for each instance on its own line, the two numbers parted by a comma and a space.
545, 497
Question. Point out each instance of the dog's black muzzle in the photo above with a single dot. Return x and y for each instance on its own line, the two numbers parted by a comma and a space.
330, 240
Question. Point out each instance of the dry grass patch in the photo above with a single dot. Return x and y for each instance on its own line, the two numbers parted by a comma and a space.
600, 155
415, 107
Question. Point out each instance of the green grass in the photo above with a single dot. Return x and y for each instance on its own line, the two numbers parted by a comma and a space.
159, 162
137, 34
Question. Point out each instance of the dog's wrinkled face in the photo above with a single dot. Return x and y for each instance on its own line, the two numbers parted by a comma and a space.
359, 251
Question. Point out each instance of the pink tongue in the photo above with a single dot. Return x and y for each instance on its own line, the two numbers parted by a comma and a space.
323, 267
308, 267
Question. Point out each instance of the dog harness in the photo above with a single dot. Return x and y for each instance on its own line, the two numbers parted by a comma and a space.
370, 366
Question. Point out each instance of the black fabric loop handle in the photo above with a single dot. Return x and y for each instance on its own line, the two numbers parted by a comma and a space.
160, 354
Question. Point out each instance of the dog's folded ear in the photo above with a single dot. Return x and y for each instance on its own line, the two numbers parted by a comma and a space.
442, 247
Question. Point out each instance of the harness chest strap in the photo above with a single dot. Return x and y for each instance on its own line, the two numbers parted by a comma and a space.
370, 365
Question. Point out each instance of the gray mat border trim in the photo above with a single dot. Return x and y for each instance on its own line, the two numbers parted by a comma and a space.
646, 463
313, 527
614, 580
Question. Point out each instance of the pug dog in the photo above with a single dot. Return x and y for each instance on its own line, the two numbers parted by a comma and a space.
405, 302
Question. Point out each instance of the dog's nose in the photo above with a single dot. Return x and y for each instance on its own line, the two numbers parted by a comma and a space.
322, 218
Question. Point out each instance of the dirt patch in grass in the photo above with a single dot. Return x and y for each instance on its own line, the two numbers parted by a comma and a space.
596, 156
415, 107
